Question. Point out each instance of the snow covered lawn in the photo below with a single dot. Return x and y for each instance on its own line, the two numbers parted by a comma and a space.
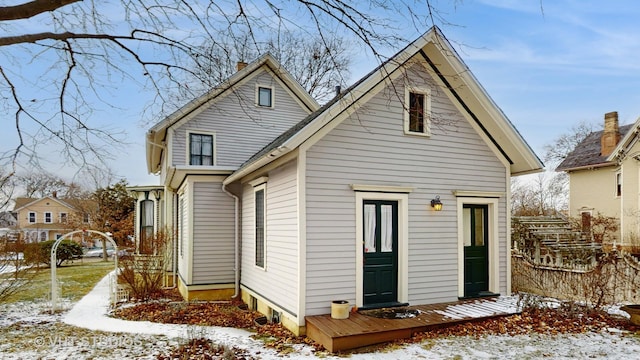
29, 331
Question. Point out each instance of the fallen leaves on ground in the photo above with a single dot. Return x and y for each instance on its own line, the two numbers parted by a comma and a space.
563, 320
533, 320
191, 313
203, 349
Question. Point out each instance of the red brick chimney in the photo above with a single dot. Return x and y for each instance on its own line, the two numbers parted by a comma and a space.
241, 65
611, 133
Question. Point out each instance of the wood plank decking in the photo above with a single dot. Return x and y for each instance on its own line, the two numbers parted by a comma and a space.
362, 330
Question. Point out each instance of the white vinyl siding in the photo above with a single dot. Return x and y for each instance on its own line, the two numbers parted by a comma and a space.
213, 234
277, 282
370, 148
241, 128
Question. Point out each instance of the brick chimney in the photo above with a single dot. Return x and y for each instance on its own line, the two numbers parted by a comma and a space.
610, 135
241, 65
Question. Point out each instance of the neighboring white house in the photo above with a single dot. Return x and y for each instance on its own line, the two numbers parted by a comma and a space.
293, 206
604, 178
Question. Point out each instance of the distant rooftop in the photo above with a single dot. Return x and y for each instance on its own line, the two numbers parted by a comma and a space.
587, 153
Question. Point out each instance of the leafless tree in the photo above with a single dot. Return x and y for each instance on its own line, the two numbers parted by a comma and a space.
561, 146
62, 61
318, 64
39, 184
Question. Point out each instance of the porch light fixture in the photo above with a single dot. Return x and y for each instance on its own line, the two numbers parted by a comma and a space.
436, 204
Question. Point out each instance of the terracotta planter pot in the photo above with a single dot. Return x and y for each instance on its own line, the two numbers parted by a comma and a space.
634, 311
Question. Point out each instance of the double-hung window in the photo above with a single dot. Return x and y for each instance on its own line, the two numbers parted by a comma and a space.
146, 226
48, 219
32, 217
63, 217
618, 184
200, 149
417, 111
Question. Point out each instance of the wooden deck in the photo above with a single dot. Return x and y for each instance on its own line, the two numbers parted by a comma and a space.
362, 330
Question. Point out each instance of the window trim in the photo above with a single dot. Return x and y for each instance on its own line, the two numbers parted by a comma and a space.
50, 220
273, 96
35, 217
213, 146
262, 187
66, 217
427, 110
618, 184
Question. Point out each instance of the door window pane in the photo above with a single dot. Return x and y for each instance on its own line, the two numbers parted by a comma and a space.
369, 228
479, 227
386, 228
466, 227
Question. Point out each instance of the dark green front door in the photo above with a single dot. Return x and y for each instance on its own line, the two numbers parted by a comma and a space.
476, 264
380, 246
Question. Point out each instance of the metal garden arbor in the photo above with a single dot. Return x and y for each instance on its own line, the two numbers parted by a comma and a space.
54, 287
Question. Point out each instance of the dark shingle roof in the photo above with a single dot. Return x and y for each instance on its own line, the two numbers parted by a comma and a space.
587, 153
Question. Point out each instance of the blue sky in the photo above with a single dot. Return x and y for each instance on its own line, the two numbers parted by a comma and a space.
547, 64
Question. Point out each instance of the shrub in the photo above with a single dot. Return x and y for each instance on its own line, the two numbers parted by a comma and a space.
144, 273
40, 253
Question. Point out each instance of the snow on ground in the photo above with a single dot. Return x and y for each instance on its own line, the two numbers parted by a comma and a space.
86, 331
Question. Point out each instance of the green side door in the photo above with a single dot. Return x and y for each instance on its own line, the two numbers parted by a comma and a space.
380, 247
476, 255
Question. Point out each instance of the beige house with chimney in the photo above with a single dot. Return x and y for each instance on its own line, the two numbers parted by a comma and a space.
604, 177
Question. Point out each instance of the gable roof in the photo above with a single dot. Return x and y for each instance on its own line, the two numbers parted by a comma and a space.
23, 202
454, 76
587, 152
157, 133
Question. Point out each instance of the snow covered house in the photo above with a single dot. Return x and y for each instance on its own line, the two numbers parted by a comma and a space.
394, 192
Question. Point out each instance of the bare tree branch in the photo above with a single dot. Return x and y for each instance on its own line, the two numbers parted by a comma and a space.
31, 9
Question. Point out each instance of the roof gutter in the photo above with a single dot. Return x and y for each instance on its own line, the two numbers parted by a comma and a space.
588, 167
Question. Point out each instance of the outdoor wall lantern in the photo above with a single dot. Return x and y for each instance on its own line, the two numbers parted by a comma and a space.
436, 204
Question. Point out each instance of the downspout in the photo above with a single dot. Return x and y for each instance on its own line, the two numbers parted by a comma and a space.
236, 267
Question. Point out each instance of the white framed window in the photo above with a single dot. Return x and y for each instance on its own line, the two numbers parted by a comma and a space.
618, 184
201, 148
264, 96
32, 217
63, 217
260, 224
48, 218
417, 111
